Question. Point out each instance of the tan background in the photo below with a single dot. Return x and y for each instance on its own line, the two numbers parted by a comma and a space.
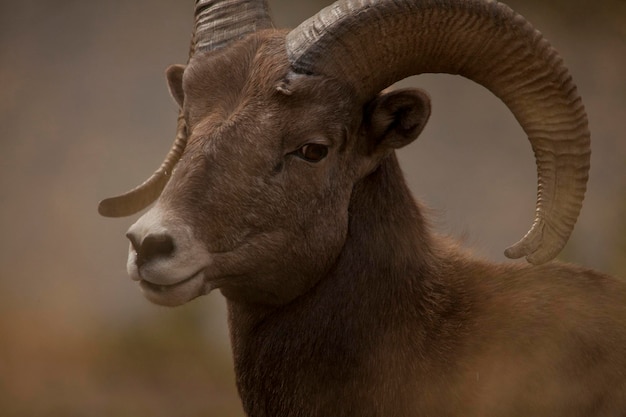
84, 114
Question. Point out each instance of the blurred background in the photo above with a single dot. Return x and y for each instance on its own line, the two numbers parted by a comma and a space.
85, 114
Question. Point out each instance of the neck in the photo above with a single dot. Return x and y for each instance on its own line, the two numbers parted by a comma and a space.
356, 315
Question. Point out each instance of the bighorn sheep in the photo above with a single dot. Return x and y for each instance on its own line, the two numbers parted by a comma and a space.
288, 198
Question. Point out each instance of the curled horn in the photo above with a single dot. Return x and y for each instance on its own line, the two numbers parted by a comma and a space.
217, 23
374, 43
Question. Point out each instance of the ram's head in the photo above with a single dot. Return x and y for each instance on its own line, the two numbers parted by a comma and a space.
278, 127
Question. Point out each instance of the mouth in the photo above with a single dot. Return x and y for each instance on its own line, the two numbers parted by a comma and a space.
178, 293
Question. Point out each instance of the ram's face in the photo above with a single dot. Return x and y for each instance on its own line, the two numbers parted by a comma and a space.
258, 204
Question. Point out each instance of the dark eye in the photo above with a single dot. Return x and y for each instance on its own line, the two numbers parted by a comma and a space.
312, 152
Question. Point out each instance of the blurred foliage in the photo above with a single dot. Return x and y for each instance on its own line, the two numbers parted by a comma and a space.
160, 366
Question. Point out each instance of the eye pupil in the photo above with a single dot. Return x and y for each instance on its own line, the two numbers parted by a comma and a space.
313, 152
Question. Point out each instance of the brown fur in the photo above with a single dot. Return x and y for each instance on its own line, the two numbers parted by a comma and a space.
341, 300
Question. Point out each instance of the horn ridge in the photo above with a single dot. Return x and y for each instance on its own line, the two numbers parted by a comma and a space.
220, 22
373, 43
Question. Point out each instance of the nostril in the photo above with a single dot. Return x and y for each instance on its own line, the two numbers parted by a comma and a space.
134, 241
152, 246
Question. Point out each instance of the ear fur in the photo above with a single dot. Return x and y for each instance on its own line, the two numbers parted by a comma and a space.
395, 118
174, 76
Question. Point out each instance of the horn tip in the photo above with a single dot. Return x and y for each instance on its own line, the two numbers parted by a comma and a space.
538, 246
136, 199
114, 207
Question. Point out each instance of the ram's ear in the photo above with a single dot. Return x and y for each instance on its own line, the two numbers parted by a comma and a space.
175, 82
396, 118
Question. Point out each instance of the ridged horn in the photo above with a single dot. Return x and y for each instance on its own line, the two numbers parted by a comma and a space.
220, 22
374, 43
217, 23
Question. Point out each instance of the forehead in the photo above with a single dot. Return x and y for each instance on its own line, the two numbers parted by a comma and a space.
254, 76
223, 77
